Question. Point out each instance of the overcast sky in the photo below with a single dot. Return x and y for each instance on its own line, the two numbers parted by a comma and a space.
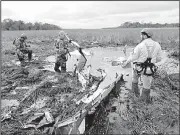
91, 14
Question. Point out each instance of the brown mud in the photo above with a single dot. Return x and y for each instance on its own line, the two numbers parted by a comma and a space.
33, 87
36, 90
112, 116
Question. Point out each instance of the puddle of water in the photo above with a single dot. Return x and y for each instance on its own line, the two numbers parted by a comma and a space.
9, 103
101, 58
51, 59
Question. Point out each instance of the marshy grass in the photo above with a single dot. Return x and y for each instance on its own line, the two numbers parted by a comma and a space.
167, 37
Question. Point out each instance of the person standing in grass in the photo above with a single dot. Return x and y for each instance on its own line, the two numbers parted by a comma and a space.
145, 55
62, 51
21, 49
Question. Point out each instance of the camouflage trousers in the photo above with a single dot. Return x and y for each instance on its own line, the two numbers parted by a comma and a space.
21, 55
60, 62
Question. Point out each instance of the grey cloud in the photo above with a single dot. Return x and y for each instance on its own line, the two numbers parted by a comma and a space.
6, 12
101, 13
123, 17
94, 10
173, 13
63, 15
117, 20
134, 7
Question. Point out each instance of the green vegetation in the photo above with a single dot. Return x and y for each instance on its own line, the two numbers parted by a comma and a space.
10, 25
147, 25
42, 40
167, 37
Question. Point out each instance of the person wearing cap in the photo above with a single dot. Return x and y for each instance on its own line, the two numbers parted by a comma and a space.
145, 55
21, 49
61, 45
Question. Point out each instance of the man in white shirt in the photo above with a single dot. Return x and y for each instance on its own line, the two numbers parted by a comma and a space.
145, 55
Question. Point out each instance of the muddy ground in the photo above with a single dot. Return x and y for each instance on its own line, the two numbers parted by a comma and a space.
28, 90
123, 113
119, 113
127, 114
36, 90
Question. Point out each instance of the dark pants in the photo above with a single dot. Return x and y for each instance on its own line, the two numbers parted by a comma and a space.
60, 62
21, 55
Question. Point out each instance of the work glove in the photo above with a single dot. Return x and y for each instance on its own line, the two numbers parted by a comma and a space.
80, 49
70, 40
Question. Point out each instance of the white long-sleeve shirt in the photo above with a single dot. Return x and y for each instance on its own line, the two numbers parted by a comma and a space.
140, 53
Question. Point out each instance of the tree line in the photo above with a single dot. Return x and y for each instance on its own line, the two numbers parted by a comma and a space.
11, 25
147, 25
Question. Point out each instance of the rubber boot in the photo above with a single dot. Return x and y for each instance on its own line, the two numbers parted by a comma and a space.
135, 89
145, 96
23, 64
30, 55
22, 61
56, 68
74, 72
63, 68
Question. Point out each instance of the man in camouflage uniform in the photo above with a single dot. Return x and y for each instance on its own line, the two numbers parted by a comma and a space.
61, 45
21, 49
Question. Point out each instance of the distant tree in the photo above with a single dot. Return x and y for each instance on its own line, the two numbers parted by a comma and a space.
20, 25
29, 26
14, 26
37, 26
9, 24
146, 25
